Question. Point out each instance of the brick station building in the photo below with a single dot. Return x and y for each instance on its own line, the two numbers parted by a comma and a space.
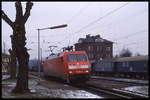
96, 47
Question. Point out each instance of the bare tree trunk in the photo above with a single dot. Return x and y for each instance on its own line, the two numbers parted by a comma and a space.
19, 43
12, 64
23, 59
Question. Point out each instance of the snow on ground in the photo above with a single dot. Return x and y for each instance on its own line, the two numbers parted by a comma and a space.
134, 89
137, 89
60, 93
133, 80
5, 76
9, 84
39, 91
71, 94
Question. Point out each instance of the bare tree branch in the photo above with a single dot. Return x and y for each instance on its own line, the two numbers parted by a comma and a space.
27, 13
19, 13
5, 18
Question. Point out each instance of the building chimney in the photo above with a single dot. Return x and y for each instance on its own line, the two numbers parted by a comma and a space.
88, 36
97, 36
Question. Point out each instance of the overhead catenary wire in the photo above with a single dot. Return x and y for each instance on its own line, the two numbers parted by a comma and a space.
124, 46
77, 14
95, 21
88, 26
126, 18
132, 43
128, 45
132, 34
127, 36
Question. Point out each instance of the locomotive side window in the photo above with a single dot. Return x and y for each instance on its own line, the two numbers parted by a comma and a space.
62, 59
77, 57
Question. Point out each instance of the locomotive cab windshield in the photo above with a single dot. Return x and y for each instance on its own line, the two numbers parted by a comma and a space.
78, 63
77, 57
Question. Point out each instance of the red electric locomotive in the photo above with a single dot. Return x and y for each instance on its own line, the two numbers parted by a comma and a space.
70, 66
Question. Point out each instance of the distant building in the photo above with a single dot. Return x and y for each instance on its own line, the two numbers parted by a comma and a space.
96, 47
5, 63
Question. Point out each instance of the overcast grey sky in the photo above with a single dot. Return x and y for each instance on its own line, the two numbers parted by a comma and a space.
124, 23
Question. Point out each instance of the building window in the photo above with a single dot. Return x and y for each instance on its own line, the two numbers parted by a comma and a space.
98, 56
97, 48
92, 56
108, 55
100, 48
89, 48
108, 48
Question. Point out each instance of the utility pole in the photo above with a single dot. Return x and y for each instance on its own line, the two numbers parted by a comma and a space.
39, 50
41, 55
53, 27
4, 46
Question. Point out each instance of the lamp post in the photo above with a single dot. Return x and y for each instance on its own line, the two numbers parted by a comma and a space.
53, 27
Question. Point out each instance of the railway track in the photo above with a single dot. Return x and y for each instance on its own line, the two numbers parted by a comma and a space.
121, 81
108, 93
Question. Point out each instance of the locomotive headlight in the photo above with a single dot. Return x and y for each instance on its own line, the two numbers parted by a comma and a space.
70, 72
84, 66
86, 71
72, 67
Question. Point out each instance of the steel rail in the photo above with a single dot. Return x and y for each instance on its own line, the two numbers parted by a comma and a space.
131, 82
117, 92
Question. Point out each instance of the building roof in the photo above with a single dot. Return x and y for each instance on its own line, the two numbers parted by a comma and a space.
91, 39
